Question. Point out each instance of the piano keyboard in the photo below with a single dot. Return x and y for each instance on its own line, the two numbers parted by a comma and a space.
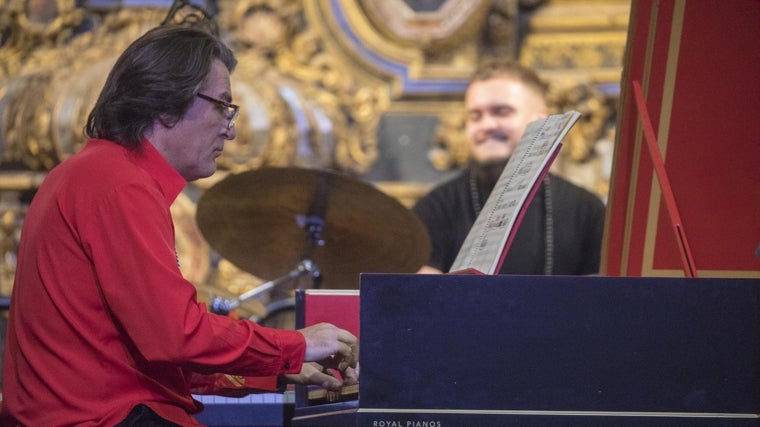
254, 410
320, 395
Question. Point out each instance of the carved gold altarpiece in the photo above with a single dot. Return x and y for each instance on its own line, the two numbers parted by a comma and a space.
315, 79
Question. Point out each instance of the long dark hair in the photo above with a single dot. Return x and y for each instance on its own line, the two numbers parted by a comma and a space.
157, 77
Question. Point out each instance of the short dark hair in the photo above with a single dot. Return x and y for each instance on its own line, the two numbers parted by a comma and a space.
156, 77
502, 67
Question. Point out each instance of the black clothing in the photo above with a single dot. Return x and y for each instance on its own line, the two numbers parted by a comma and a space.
576, 228
143, 416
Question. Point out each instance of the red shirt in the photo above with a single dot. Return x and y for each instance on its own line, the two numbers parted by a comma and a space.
101, 318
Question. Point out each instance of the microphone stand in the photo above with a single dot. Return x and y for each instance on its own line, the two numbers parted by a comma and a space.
223, 306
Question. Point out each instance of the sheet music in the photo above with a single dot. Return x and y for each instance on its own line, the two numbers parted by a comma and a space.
490, 236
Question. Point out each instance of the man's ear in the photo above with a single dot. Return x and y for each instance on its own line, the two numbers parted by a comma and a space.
167, 121
543, 110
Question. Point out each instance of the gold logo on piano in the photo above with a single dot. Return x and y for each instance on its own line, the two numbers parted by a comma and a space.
405, 423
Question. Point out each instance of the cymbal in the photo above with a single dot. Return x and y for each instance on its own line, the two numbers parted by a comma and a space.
267, 220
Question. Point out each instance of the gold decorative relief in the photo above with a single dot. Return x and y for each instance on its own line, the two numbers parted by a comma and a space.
436, 28
585, 150
11, 215
450, 150
313, 81
303, 106
571, 40
45, 104
32, 25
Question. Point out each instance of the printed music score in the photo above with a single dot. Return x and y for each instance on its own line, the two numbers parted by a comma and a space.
489, 238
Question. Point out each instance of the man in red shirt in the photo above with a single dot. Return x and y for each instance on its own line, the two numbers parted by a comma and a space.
103, 329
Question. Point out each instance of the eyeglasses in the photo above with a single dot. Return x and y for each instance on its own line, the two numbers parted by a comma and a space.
230, 110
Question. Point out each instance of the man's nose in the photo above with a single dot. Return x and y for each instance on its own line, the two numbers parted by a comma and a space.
231, 133
489, 121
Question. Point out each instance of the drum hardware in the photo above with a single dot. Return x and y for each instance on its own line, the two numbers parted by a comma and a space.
257, 220
223, 306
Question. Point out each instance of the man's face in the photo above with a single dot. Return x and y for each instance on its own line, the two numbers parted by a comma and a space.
498, 111
198, 138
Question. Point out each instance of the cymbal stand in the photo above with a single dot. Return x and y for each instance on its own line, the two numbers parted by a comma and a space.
313, 226
313, 223
223, 306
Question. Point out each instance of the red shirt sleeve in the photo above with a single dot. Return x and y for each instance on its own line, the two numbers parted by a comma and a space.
143, 288
231, 385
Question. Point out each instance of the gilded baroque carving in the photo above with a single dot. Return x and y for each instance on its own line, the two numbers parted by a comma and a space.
315, 113
449, 149
47, 99
585, 152
34, 24
10, 226
318, 113
438, 29
589, 101
590, 52
500, 32
308, 97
